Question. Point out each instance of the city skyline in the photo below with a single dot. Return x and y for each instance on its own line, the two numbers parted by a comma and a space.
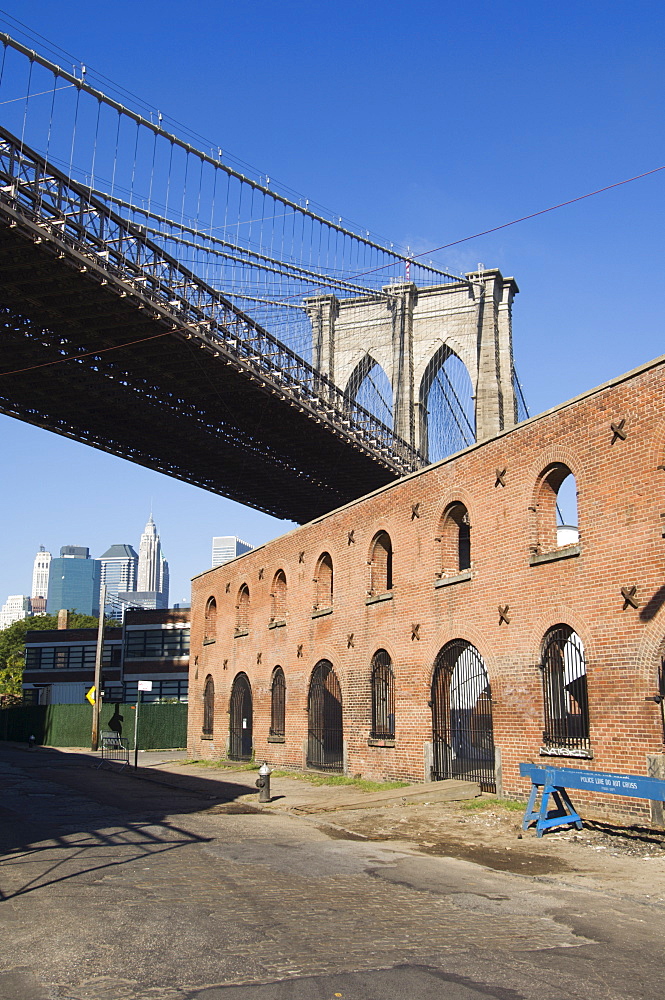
120, 568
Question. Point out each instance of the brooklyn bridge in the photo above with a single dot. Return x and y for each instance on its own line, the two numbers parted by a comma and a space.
161, 305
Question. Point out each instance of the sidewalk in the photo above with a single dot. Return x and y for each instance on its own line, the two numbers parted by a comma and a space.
287, 794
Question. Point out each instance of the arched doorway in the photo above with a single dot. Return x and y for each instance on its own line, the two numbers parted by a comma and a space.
209, 708
325, 745
463, 739
240, 724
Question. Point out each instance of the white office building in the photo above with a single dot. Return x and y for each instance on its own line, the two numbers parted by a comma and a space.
40, 573
14, 609
227, 547
153, 569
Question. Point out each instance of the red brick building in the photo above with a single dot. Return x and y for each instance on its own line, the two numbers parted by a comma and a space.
442, 626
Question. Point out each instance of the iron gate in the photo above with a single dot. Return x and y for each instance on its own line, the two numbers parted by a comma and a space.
325, 744
240, 743
565, 690
463, 740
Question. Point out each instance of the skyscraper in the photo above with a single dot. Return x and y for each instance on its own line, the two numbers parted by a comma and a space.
40, 572
119, 567
227, 547
150, 552
153, 570
74, 581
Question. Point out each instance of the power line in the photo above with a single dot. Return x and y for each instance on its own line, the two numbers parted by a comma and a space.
88, 354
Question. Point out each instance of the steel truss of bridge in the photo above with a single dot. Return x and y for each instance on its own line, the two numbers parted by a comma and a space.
108, 340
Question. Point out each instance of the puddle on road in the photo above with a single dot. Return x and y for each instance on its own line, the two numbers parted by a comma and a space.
236, 809
517, 862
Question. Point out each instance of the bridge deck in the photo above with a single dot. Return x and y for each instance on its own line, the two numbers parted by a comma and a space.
158, 393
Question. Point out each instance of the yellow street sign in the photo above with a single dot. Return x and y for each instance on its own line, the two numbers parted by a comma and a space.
91, 695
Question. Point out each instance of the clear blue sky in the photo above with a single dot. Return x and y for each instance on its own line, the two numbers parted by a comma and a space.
423, 122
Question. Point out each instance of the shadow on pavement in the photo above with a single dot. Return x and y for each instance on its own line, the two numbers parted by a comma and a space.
61, 817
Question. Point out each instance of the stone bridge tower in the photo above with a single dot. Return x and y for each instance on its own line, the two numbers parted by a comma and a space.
409, 332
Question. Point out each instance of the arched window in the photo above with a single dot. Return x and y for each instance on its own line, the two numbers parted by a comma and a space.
278, 597
556, 508
383, 697
242, 611
462, 730
381, 564
323, 583
210, 620
208, 707
455, 540
277, 703
565, 690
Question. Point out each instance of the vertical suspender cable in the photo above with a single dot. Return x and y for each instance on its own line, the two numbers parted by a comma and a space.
115, 156
76, 117
184, 191
168, 182
25, 110
136, 151
152, 165
2, 66
209, 256
94, 147
48, 138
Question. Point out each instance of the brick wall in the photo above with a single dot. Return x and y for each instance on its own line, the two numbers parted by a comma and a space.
517, 587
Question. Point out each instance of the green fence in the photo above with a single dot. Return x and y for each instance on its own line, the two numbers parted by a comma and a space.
161, 727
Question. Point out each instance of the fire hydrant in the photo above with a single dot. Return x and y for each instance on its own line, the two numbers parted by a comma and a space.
31, 742
263, 783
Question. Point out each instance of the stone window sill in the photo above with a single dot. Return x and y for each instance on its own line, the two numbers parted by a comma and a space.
448, 581
276, 739
320, 612
206, 736
371, 742
567, 552
277, 623
209, 642
378, 598
239, 633
564, 752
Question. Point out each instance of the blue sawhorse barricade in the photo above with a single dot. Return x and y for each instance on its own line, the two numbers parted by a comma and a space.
554, 782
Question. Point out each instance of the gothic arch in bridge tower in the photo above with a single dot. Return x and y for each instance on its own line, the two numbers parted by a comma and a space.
411, 332
447, 379
370, 372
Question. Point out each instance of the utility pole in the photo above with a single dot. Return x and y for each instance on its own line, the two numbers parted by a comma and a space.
94, 741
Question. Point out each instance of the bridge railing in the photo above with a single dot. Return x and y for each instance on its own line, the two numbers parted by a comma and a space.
68, 215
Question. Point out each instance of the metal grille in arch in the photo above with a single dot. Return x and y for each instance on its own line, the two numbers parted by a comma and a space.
463, 740
325, 744
240, 728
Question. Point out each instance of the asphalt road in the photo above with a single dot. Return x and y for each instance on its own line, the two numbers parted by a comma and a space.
120, 888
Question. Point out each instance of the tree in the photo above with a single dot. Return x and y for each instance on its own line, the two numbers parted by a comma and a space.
12, 648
